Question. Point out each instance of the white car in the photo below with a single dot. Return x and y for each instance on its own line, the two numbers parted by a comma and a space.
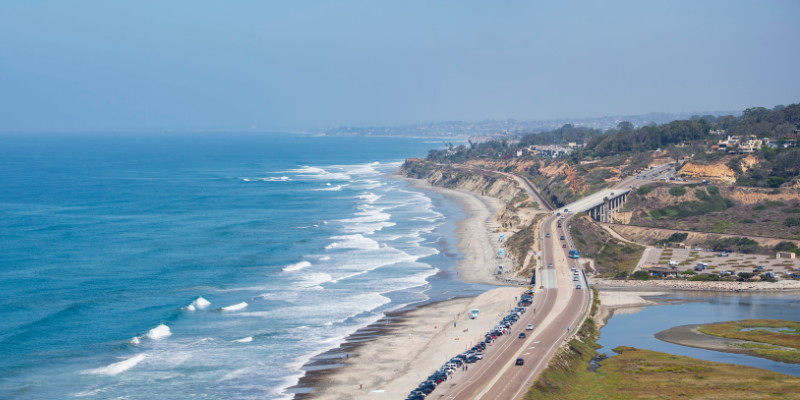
529, 327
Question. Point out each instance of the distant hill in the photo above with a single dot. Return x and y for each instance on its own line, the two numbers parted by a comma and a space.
510, 126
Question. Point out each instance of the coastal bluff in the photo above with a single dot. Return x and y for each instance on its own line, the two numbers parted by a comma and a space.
482, 182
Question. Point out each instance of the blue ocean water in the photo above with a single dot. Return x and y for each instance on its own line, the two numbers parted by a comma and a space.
203, 266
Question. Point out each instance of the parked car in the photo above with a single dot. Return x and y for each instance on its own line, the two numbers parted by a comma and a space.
563, 246
722, 255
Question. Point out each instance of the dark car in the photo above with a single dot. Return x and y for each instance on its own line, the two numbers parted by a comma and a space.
522, 335
472, 360
520, 361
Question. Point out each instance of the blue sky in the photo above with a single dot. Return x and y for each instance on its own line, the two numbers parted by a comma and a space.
225, 66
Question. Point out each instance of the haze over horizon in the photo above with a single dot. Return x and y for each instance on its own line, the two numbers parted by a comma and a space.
202, 66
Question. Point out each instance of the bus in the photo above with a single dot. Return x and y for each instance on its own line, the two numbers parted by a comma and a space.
574, 254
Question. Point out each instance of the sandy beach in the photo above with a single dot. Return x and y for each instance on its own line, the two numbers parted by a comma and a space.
476, 237
393, 359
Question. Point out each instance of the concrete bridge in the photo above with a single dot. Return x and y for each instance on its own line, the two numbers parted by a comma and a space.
595, 205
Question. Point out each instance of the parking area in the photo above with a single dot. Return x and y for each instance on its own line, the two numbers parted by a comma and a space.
734, 262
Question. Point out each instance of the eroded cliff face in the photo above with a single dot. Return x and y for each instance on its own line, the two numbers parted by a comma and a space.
490, 184
712, 172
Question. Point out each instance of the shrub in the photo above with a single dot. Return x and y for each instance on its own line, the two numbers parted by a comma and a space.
644, 190
776, 204
748, 221
760, 207
785, 246
745, 181
641, 275
774, 181
792, 221
713, 190
791, 210
677, 191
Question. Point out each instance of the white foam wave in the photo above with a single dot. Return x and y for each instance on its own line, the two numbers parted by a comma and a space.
369, 197
326, 258
244, 340
158, 332
356, 241
306, 171
235, 307
297, 266
273, 179
117, 368
331, 189
313, 281
200, 303
135, 340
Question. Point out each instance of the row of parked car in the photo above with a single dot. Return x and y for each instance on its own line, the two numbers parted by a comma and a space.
472, 355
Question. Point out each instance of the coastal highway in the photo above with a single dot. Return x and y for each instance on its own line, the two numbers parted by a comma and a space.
557, 307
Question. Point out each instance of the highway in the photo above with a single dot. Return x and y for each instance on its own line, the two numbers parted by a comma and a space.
553, 310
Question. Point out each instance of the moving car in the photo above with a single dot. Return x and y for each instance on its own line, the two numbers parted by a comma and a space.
522, 335
550, 265
563, 246
575, 278
520, 362
529, 327
578, 286
563, 237
547, 235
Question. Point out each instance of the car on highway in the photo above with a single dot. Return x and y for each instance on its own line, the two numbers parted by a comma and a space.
557, 214
520, 361
522, 335
578, 286
563, 246
547, 235
563, 237
575, 278
550, 265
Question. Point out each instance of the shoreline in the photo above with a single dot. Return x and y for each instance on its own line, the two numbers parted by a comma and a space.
393, 357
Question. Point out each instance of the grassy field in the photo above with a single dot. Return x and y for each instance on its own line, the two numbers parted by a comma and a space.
781, 338
645, 374
612, 257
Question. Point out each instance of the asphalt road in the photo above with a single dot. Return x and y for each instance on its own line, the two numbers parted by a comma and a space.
496, 376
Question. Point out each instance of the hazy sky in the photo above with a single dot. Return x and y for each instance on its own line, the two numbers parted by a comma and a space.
208, 66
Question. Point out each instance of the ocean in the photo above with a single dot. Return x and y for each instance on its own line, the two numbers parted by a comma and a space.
174, 266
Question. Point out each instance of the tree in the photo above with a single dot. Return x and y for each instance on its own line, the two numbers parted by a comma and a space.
675, 152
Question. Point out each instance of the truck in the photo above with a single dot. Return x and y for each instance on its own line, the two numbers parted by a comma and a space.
474, 313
